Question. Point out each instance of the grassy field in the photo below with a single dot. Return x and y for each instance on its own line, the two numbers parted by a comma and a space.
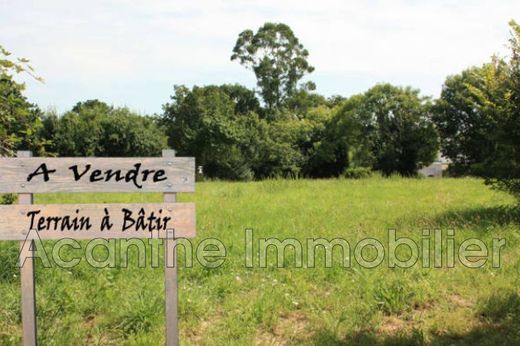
235, 305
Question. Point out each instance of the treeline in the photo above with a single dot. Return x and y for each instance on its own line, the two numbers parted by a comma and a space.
285, 129
93, 128
232, 138
387, 129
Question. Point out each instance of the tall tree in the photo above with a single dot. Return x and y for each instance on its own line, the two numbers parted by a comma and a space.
277, 58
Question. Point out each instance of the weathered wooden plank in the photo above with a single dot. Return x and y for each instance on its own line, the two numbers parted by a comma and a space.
155, 174
27, 278
170, 276
56, 221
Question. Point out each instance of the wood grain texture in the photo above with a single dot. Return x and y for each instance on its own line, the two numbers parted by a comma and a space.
27, 277
179, 171
15, 222
171, 290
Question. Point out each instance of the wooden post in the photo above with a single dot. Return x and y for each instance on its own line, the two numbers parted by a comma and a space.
170, 276
27, 277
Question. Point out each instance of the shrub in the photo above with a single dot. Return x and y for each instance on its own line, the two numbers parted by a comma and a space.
357, 173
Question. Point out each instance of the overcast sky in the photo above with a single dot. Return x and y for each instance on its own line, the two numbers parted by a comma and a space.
133, 52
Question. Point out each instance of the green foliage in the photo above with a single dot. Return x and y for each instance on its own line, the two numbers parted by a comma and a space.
19, 65
478, 117
469, 113
93, 128
221, 126
387, 128
277, 58
19, 119
291, 142
304, 99
333, 150
8, 198
232, 141
396, 127
504, 171
218, 126
245, 100
357, 173
281, 155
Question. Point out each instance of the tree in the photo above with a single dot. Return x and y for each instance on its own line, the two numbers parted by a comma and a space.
339, 142
19, 119
206, 122
125, 133
507, 165
478, 116
77, 132
93, 128
468, 115
231, 141
387, 128
396, 127
277, 58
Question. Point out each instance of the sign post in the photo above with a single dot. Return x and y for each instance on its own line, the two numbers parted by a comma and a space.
28, 293
25, 222
170, 275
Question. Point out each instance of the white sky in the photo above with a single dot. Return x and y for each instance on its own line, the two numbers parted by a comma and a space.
133, 52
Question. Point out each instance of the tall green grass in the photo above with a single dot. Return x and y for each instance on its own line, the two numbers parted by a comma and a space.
236, 305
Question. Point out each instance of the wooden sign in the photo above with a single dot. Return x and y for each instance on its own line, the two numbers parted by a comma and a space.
26, 175
90, 221
39, 175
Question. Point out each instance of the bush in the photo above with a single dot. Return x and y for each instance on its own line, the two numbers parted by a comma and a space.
357, 173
